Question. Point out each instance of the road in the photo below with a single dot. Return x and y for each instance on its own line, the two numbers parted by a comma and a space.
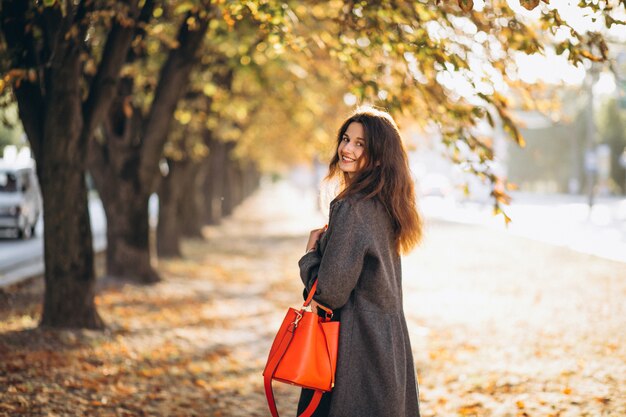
21, 259
559, 219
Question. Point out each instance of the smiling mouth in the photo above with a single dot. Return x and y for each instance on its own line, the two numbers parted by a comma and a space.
346, 159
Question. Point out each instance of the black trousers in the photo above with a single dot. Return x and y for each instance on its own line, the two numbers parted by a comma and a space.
322, 409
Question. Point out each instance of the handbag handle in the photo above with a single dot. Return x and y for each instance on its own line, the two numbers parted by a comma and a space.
311, 293
329, 312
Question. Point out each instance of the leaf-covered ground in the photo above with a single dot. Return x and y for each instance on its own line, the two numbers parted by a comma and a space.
500, 326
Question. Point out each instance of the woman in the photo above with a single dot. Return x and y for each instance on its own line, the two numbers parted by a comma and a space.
357, 263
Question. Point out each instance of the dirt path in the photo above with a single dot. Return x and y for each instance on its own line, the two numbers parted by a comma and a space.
500, 326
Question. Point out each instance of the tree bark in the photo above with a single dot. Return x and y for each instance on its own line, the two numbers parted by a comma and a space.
68, 250
128, 257
227, 182
232, 181
192, 200
171, 191
215, 182
203, 199
128, 230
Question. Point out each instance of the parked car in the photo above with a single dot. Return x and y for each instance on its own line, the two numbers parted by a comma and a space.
20, 199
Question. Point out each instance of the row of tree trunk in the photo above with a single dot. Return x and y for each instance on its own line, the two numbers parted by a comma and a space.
77, 124
197, 193
193, 193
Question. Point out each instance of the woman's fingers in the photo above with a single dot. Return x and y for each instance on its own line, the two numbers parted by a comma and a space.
315, 305
314, 237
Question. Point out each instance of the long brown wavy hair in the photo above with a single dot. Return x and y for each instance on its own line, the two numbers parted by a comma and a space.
385, 175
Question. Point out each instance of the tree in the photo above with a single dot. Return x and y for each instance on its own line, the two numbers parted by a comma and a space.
126, 163
61, 61
184, 154
240, 110
404, 56
46, 48
125, 160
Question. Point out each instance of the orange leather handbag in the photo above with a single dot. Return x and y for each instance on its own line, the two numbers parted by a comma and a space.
304, 353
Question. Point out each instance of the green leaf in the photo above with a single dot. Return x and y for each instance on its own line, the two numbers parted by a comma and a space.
49, 3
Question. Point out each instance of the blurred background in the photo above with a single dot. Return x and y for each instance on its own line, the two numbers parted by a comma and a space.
163, 163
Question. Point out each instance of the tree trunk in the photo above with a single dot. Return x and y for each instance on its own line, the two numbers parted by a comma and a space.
114, 168
232, 181
215, 182
202, 199
128, 156
250, 182
128, 240
128, 229
68, 251
170, 193
192, 200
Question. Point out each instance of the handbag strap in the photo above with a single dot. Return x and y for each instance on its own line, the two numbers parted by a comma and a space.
315, 401
328, 311
269, 375
309, 298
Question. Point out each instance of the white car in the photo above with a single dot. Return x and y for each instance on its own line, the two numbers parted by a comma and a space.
20, 199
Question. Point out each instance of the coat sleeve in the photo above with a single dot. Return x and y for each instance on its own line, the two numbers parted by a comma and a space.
339, 267
309, 266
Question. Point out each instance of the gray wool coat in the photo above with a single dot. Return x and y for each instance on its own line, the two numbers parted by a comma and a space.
360, 279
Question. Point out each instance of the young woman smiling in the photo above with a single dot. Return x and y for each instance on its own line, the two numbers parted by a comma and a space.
356, 261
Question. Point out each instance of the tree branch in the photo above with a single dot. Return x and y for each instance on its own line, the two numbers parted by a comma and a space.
21, 45
173, 81
103, 86
52, 25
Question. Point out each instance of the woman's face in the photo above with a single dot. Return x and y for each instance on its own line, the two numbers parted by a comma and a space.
351, 150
